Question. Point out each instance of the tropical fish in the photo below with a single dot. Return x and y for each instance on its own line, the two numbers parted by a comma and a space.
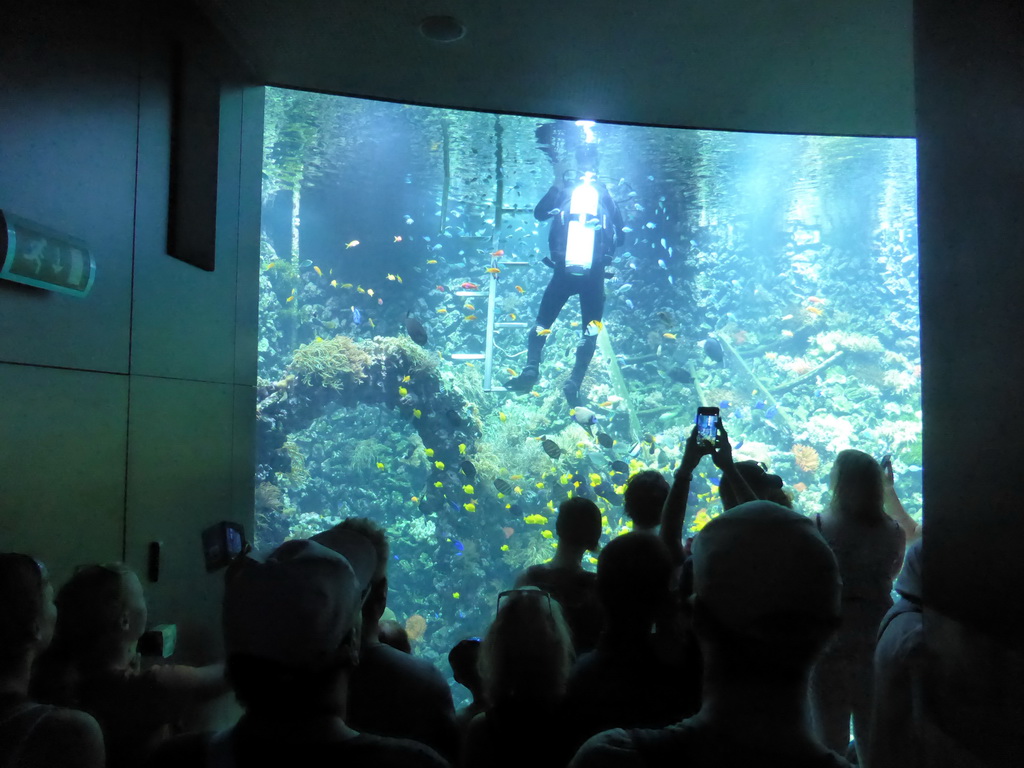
468, 469
547, 534
357, 316
498, 253
468, 306
816, 311
334, 283
662, 264
402, 392
429, 452
439, 465
583, 416
431, 261
761, 404
543, 331
470, 286
441, 288
551, 448
415, 330
439, 484
520, 289
815, 300
352, 244
511, 371
671, 336
502, 416
380, 465
369, 292
271, 265
681, 375
713, 349
408, 219
605, 440
398, 238
503, 486
442, 310
535, 519
469, 317
392, 277
627, 230
504, 547
370, 321
725, 404
347, 285
620, 466
493, 271
318, 271
470, 506
417, 413
290, 298
462, 449
468, 489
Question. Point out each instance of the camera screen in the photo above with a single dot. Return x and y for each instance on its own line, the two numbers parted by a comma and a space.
707, 427
234, 538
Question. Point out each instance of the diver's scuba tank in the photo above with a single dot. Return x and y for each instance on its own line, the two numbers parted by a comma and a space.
582, 228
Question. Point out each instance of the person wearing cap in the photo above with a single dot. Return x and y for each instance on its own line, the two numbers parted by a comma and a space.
578, 528
292, 623
766, 601
899, 659
391, 693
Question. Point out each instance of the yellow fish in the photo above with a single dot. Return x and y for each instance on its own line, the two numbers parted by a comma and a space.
535, 519
439, 465
502, 416
595, 479
597, 324
547, 534
539, 484
574, 323
469, 506
380, 465
438, 484
456, 595
431, 261
372, 324
512, 316
606, 404
319, 338
391, 277
551, 505
669, 335
493, 270
469, 317
399, 279
271, 265
402, 391
462, 449
415, 499
543, 331
290, 298
352, 244
468, 489
360, 289
429, 452
369, 291
468, 306
520, 289
516, 477
441, 311
416, 412
518, 490
334, 283
317, 270
406, 379
346, 285
504, 547
511, 371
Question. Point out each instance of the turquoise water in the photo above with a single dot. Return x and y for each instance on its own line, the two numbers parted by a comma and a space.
796, 255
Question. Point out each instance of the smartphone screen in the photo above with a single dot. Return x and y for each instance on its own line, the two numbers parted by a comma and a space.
707, 425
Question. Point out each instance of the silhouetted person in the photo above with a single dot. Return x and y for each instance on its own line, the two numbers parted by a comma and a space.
869, 547
766, 600
524, 662
93, 664
391, 693
33, 734
291, 630
644, 499
625, 682
579, 530
390, 632
464, 658
762, 484
899, 669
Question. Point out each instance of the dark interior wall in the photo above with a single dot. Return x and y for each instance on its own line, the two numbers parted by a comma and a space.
127, 415
970, 111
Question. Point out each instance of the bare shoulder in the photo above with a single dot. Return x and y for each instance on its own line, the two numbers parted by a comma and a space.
67, 738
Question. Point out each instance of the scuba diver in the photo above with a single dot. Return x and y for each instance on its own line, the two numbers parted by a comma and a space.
586, 228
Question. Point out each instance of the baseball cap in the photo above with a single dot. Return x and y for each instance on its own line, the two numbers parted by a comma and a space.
354, 547
295, 606
760, 560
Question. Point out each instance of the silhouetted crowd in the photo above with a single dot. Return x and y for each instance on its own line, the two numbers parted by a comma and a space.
755, 643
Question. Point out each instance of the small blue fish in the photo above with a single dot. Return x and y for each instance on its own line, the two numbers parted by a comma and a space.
714, 481
738, 445
627, 230
725, 404
458, 546
771, 412
760, 405
357, 316
650, 225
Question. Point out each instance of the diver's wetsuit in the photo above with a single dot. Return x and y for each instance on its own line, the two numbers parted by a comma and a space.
589, 286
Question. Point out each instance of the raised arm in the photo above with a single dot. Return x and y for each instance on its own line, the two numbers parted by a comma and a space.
894, 507
722, 456
673, 514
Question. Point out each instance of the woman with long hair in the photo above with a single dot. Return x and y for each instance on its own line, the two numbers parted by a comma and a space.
869, 547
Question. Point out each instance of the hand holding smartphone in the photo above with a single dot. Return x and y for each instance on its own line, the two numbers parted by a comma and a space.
707, 426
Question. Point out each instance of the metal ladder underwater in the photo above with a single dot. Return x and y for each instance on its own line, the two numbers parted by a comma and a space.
491, 293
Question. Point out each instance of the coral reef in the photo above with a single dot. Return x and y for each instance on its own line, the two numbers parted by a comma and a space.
337, 363
807, 459
415, 627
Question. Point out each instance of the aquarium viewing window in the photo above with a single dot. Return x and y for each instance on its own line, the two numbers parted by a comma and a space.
402, 270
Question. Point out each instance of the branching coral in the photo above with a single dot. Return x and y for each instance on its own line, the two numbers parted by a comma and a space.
807, 459
268, 498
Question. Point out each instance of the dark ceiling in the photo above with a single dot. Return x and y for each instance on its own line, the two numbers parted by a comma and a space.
797, 66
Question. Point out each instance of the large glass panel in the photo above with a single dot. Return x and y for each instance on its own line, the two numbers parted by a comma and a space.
772, 276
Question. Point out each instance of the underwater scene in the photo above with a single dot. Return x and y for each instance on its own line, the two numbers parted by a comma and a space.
402, 271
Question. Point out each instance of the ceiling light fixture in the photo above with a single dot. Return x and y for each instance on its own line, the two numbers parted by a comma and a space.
442, 29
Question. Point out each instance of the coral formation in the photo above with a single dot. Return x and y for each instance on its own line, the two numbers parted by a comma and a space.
335, 363
415, 626
807, 459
